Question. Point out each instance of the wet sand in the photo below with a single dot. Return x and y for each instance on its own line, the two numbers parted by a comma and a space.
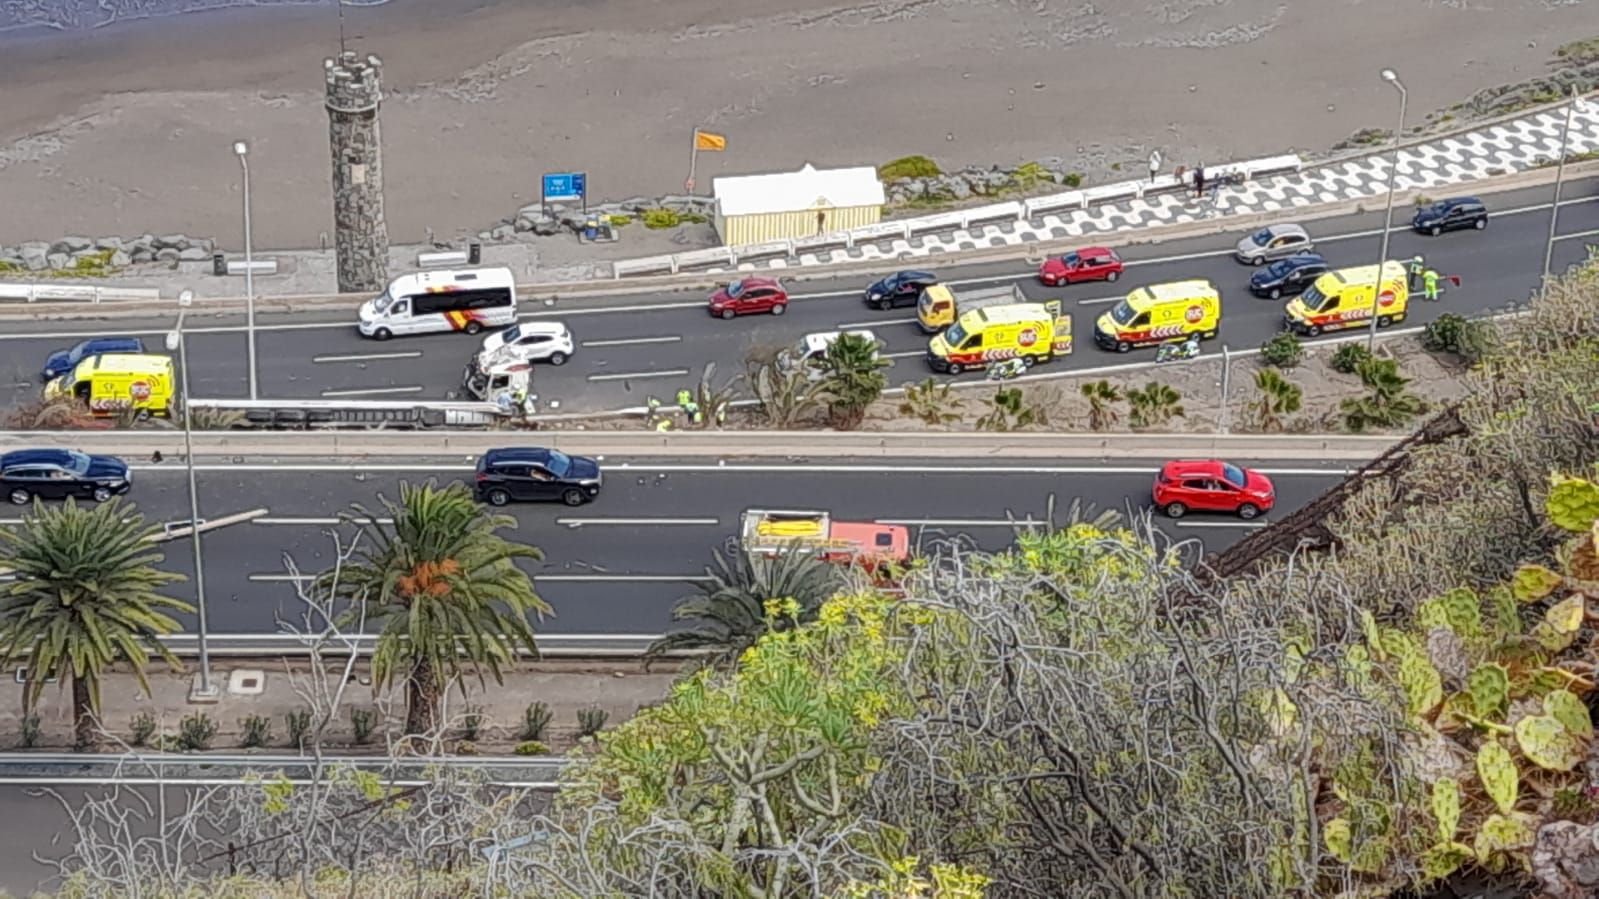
128, 128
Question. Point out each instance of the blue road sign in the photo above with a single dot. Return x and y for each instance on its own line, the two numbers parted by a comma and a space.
565, 186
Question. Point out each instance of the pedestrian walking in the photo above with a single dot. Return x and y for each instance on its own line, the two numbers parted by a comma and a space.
1429, 280
1199, 182
1417, 267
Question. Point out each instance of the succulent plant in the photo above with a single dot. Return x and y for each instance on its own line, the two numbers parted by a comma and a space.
1573, 504
1533, 582
1423, 687
1489, 686
1570, 712
1501, 834
1498, 773
1547, 743
1446, 807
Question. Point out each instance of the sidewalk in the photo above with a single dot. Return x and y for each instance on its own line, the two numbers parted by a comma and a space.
620, 688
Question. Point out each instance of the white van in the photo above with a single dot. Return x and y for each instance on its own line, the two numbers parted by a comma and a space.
468, 300
811, 351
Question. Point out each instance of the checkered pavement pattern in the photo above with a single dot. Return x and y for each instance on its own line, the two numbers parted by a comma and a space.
1508, 147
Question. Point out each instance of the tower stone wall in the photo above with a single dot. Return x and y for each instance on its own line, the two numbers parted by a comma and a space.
360, 234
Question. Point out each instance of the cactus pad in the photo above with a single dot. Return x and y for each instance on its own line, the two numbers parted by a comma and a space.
1498, 772
1489, 686
1339, 837
1546, 743
1444, 859
1570, 712
1533, 582
1573, 504
1446, 807
1463, 610
1500, 834
1423, 687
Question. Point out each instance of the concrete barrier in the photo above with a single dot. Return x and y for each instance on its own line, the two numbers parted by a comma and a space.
38, 292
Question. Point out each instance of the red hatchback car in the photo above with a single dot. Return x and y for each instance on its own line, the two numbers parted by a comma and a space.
750, 295
1210, 485
1088, 264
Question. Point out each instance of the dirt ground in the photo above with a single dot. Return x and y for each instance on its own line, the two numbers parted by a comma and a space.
128, 128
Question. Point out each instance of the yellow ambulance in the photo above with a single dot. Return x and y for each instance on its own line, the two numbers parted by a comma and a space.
1161, 313
1033, 332
118, 381
1344, 299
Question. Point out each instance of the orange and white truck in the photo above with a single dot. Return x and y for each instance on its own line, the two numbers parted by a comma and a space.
769, 532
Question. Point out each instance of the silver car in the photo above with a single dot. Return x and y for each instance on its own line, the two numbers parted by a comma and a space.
1271, 243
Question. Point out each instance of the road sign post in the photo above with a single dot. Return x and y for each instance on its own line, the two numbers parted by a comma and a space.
565, 186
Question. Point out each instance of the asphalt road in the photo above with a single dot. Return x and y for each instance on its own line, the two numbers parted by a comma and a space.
632, 347
616, 565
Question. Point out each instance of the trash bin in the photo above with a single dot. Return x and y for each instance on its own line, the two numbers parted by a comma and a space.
591, 229
474, 252
219, 264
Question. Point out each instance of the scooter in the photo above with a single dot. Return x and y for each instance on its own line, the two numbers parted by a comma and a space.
1171, 352
1004, 371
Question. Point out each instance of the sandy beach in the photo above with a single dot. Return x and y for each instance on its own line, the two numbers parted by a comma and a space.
127, 128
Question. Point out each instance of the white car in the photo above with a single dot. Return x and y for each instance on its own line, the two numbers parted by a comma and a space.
534, 341
812, 349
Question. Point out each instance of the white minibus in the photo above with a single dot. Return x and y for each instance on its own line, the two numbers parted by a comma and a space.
468, 300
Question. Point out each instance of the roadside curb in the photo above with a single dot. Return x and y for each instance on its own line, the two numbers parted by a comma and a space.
797, 448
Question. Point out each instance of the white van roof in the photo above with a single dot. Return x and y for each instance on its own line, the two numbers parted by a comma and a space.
451, 279
818, 342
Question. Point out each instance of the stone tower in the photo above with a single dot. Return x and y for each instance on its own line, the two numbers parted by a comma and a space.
360, 235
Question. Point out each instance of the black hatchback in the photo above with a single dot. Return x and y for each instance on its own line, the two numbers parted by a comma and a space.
1288, 276
62, 473
533, 474
1452, 214
898, 289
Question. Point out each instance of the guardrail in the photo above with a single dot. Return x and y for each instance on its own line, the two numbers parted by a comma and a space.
276, 645
300, 415
89, 293
150, 768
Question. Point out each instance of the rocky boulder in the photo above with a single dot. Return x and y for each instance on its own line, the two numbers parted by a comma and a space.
35, 255
172, 242
70, 245
57, 260
1565, 859
194, 254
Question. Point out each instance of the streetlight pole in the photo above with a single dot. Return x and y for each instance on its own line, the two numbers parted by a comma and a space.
206, 690
242, 150
1560, 178
1392, 77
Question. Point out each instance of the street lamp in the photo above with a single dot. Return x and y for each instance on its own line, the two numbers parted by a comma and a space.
1392, 77
206, 690
1560, 177
242, 150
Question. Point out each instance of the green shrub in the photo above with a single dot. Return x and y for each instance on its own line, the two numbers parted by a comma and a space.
299, 724
1073, 180
908, 167
658, 219
1028, 174
590, 720
1470, 339
1283, 350
466, 747
196, 731
619, 221
1348, 357
472, 722
7, 268
255, 731
361, 722
531, 747
694, 218
535, 718
143, 727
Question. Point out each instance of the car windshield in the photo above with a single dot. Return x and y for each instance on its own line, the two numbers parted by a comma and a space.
1234, 475
1071, 258
1280, 268
510, 335
77, 461
559, 463
1313, 299
955, 336
77, 352
735, 289
383, 301
1261, 237
1123, 313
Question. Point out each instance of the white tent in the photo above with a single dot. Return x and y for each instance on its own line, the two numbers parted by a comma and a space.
760, 208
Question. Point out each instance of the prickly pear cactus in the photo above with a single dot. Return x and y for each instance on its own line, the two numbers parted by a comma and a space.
1497, 770
1424, 689
1489, 686
1573, 504
1533, 582
1463, 613
1500, 835
1547, 743
1561, 623
1570, 712
1446, 807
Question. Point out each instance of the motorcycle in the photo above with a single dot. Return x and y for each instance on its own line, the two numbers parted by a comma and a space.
1004, 371
1171, 352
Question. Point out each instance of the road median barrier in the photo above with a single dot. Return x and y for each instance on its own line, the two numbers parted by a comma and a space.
793, 447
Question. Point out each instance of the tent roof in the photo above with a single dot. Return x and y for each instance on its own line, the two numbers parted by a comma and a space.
808, 188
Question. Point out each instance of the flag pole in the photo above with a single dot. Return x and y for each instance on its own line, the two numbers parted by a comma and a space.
693, 161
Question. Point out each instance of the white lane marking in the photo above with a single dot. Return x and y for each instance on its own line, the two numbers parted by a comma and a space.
366, 391
589, 522
639, 375
367, 357
631, 340
649, 307
1253, 523
1100, 300
297, 522
282, 578
905, 355
1579, 235
876, 323
798, 467
964, 522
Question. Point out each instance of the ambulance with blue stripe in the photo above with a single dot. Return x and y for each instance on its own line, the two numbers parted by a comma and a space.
467, 300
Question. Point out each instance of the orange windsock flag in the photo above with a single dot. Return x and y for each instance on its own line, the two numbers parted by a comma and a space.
704, 140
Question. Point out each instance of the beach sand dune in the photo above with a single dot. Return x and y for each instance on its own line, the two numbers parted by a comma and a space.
127, 128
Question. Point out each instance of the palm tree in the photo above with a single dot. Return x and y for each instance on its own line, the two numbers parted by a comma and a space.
786, 397
86, 595
1100, 395
1278, 397
1388, 404
444, 590
853, 378
1154, 405
729, 610
714, 401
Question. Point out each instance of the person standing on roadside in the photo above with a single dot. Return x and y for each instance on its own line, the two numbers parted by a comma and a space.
1429, 280
1417, 267
1199, 181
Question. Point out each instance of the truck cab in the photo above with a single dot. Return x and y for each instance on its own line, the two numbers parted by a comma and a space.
500, 382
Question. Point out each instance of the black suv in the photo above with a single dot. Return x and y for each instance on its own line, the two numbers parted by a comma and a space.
534, 473
1288, 276
898, 289
1451, 215
60, 473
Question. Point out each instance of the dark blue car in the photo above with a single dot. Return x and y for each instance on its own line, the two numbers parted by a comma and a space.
1452, 214
62, 362
1288, 276
898, 289
61, 473
531, 474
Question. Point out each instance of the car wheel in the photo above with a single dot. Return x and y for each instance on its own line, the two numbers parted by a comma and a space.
101, 494
382, 334
885, 304
1028, 361
1123, 346
1481, 224
1175, 510
779, 308
1113, 276
1248, 511
498, 497
19, 497
1384, 321
1313, 331
727, 313
474, 327
1258, 260
1435, 231
956, 368
1276, 294
557, 358
572, 497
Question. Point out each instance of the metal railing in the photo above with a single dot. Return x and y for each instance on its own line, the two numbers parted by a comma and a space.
88, 293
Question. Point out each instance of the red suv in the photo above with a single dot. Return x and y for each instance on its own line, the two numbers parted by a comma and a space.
1088, 264
1210, 485
750, 295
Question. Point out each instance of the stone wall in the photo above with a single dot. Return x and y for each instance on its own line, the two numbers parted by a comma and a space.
360, 232
71, 253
